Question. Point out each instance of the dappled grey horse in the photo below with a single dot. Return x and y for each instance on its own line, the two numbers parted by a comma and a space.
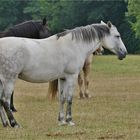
60, 56
36, 29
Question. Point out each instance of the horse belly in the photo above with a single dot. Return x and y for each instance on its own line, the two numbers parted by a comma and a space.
40, 77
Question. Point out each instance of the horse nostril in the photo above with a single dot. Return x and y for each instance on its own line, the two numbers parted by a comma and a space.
121, 49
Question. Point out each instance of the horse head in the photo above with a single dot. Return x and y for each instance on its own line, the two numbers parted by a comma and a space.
44, 32
113, 41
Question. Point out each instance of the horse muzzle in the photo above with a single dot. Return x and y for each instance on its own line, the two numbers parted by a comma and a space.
121, 55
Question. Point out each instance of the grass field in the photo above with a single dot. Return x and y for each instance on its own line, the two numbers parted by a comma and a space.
113, 112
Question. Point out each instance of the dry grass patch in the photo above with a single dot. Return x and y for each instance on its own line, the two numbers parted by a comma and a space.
113, 112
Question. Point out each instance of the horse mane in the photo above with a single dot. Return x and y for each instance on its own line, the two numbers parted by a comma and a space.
87, 33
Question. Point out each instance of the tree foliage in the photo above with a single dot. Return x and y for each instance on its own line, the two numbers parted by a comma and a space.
69, 14
134, 12
11, 12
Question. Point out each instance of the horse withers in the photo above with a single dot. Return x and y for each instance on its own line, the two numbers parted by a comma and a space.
60, 56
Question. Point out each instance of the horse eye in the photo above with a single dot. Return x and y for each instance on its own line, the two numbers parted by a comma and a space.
117, 36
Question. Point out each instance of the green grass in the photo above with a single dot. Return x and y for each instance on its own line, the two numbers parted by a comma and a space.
109, 66
113, 112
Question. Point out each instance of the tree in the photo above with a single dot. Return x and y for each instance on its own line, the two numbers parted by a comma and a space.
70, 14
133, 16
11, 12
134, 12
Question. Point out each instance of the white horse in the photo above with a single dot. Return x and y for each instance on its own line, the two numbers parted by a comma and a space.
60, 56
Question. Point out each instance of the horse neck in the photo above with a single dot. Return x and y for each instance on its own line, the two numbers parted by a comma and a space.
90, 47
85, 48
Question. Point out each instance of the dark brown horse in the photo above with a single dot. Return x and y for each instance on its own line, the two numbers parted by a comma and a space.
28, 29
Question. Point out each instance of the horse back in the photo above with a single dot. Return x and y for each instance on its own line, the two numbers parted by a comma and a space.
29, 29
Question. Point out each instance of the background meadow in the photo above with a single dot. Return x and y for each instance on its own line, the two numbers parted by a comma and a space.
112, 113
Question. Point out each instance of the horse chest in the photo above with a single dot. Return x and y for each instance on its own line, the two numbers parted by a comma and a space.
74, 65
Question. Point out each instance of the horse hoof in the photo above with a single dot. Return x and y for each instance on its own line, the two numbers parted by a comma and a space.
17, 126
62, 123
14, 124
71, 123
81, 95
80, 98
5, 124
87, 95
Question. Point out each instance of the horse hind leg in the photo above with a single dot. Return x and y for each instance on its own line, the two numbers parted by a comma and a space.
12, 107
10, 116
9, 86
3, 116
2, 113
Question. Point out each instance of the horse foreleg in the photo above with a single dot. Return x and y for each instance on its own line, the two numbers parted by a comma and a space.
71, 80
80, 83
12, 103
62, 100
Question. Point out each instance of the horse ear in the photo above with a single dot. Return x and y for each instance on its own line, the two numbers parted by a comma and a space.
109, 24
103, 22
44, 21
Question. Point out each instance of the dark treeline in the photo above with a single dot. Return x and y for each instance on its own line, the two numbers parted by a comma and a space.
69, 14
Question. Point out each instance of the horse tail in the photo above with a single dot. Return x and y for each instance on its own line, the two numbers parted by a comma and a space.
53, 88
